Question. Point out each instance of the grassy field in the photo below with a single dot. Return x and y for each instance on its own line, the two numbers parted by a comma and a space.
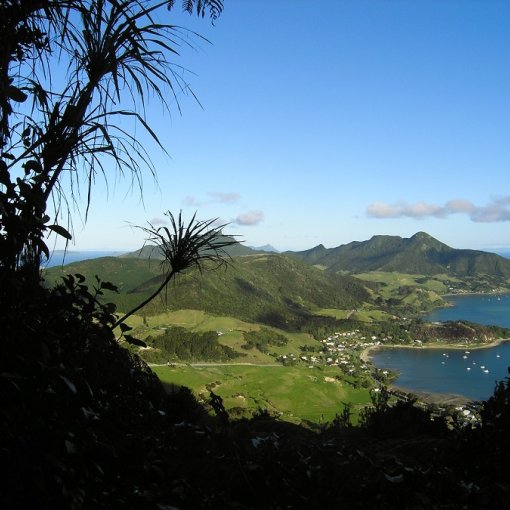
231, 332
297, 393
392, 281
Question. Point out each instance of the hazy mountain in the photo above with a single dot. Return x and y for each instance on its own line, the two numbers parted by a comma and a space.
419, 254
154, 252
266, 247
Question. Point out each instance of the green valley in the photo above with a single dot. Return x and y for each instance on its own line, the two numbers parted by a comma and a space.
226, 330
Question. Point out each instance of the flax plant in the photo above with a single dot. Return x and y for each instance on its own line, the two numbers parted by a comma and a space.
184, 246
80, 122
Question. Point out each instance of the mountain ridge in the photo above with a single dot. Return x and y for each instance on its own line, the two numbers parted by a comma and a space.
418, 254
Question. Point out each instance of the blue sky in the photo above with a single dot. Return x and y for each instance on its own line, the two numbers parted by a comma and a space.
331, 121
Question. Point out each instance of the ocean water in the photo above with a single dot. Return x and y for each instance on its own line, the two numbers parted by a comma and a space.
471, 373
483, 309
59, 257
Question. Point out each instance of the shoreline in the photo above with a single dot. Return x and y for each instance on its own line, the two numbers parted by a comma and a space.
448, 304
431, 397
366, 355
455, 294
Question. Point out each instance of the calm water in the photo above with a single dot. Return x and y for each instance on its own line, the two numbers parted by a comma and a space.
455, 371
452, 371
483, 309
59, 257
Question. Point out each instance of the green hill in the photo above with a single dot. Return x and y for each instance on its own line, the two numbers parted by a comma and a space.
419, 254
267, 288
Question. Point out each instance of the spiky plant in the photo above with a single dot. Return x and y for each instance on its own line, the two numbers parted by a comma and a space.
113, 55
184, 246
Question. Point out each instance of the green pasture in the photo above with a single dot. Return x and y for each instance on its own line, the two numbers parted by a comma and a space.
363, 314
392, 281
231, 332
335, 313
296, 393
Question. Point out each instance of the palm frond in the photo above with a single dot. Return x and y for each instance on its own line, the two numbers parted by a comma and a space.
185, 245
201, 7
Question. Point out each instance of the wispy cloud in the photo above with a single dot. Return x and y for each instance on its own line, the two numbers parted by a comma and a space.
249, 218
158, 221
224, 198
495, 211
215, 197
190, 201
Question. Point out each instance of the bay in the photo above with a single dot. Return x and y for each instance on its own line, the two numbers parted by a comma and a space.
481, 308
470, 373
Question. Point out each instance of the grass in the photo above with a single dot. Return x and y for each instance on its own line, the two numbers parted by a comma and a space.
297, 393
334, 312
232, 330
392, 281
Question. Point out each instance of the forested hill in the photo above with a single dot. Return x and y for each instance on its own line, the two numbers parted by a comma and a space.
267, 288
419, 254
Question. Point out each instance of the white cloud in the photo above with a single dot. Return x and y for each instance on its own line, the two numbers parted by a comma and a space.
402, 209
460, 206
190, 201
496, 211
158, 221
224, 198
249, 218
216, 197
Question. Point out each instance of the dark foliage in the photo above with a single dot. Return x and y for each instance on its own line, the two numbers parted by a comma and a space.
180, 344
263, 338
84, 424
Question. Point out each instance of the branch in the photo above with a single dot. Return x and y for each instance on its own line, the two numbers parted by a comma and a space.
146, 301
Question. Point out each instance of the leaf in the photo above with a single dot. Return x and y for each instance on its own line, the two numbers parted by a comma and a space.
394, 479
69, 384
33, 165
133, 341
4, 174
109, 286
16, 94
124, 327
44, 249
61, 231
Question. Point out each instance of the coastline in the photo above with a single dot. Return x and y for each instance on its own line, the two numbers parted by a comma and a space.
432, 397
366, 354
448, 304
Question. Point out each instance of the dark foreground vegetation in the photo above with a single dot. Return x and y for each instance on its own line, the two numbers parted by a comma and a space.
85, 424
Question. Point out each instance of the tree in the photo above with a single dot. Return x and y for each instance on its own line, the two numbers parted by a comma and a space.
55, 138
